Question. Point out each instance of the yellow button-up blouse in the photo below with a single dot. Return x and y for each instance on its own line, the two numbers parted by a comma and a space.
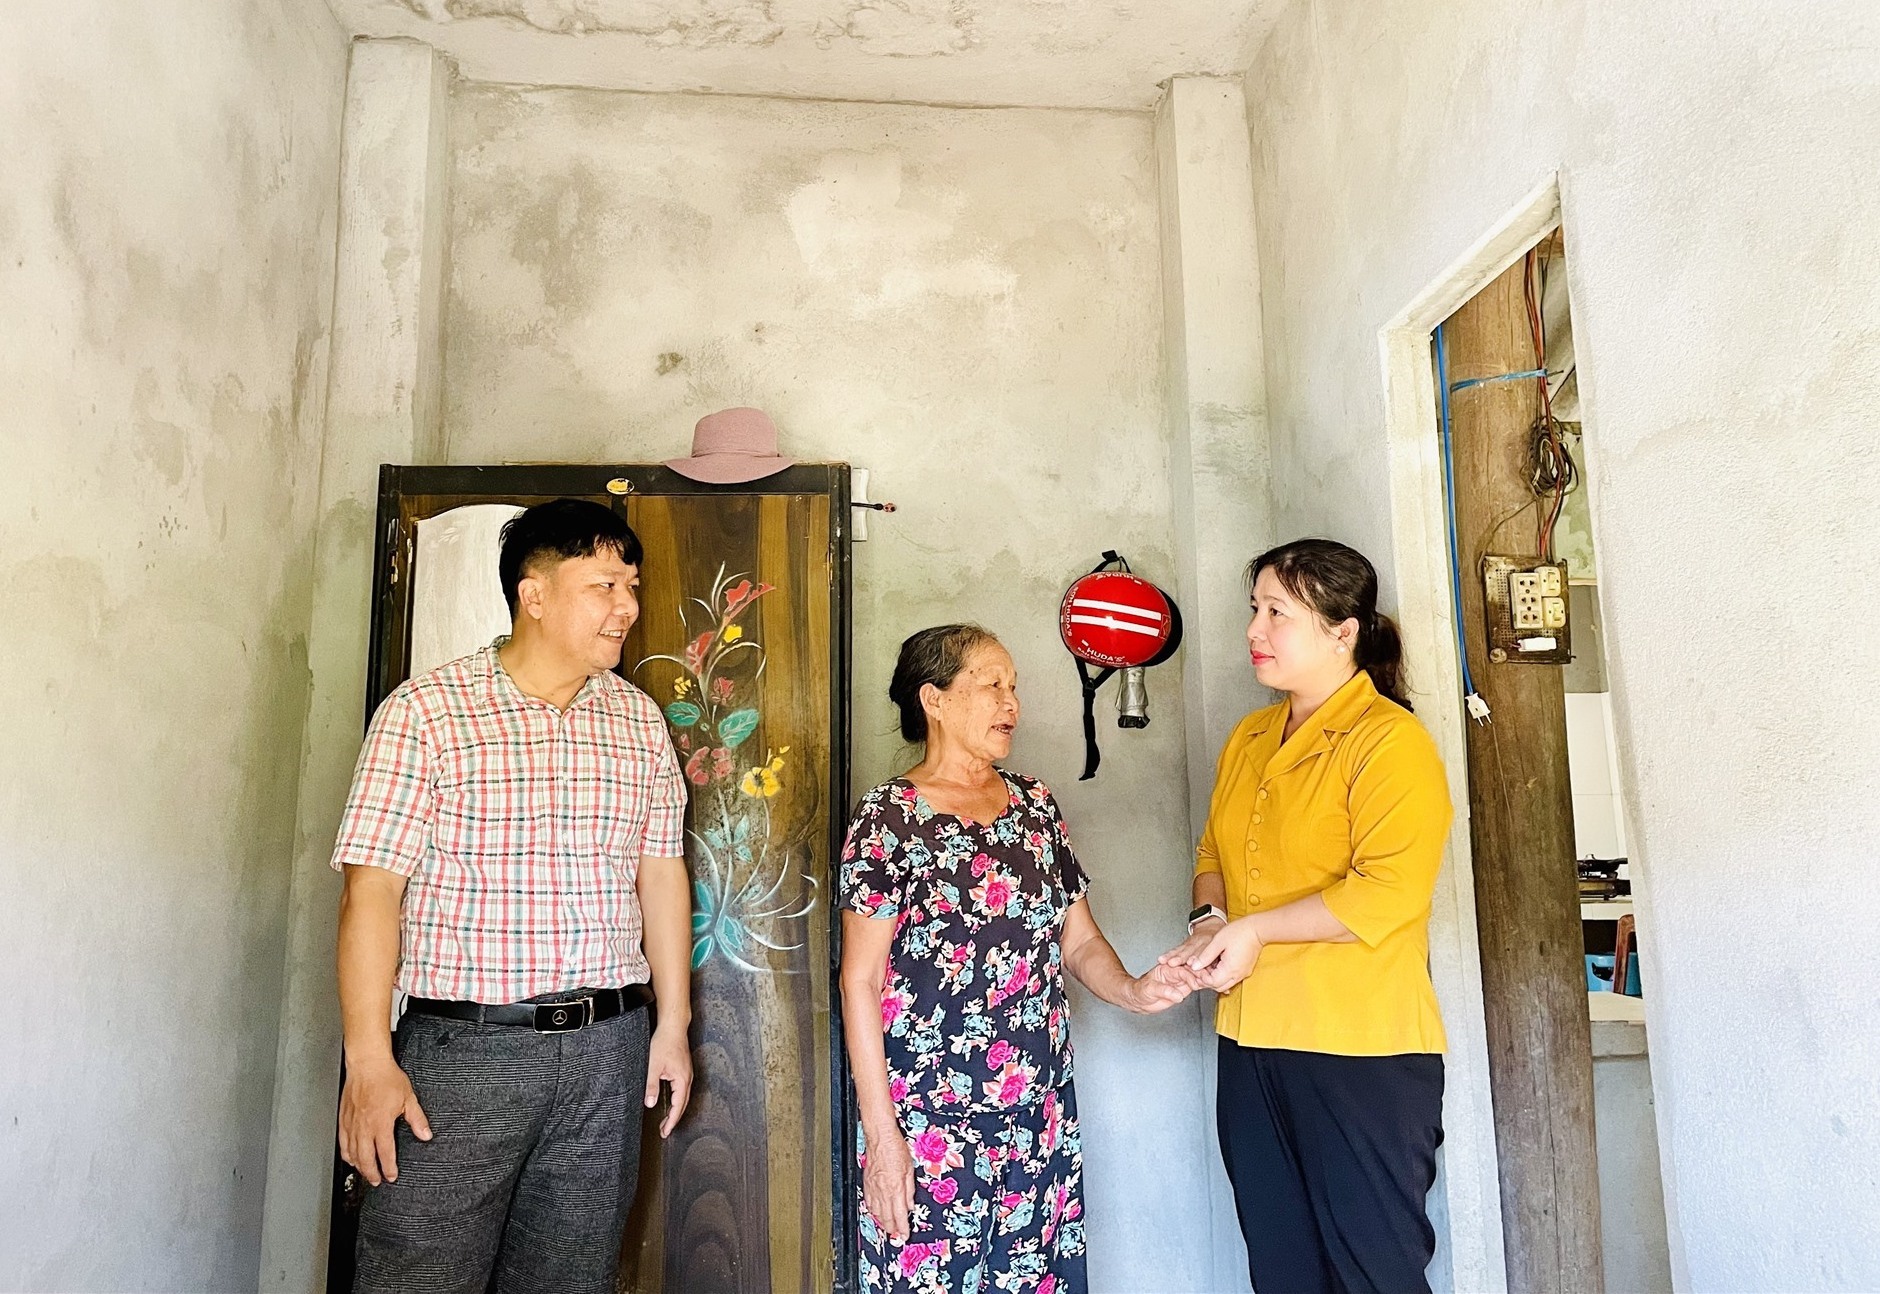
1353, 806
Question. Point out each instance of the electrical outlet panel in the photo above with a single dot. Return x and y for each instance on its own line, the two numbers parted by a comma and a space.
1524, 599
1525, 607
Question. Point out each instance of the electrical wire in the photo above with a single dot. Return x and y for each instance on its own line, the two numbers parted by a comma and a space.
1553, 478
1471, 699
1525, 375
1554, 475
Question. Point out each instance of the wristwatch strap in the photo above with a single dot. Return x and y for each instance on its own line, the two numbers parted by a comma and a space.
1202, 913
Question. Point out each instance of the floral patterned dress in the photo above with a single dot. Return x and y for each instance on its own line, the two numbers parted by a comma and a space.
977, 1034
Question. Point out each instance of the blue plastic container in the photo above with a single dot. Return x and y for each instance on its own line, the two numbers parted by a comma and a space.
1599, 974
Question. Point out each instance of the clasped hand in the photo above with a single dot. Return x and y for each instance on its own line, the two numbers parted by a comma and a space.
1161, 987
1217, 956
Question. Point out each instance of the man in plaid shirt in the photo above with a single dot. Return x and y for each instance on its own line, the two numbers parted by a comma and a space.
513, 855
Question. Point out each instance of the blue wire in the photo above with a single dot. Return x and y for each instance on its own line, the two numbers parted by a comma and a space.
1528, 376
1449, 508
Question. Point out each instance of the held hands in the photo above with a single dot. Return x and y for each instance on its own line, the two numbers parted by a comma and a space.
888, 1180
1184, 953
377, 1094
1161, 987
1218, 955
669, 1059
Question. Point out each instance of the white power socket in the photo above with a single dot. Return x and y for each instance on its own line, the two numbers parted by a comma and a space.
1525, 598
1553, 598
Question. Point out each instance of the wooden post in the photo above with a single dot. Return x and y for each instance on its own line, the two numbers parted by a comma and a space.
1521, 829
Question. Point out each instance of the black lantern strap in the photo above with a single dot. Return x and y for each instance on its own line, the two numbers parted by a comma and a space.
1093, 756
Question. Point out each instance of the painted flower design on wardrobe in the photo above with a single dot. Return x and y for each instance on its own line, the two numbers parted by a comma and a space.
751, 887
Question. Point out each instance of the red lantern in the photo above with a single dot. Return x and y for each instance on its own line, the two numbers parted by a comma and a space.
1116, 620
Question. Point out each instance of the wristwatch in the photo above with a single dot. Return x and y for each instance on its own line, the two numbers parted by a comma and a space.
1202, 913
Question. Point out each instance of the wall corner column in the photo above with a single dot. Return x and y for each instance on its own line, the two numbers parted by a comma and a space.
1216, 383
1215, 380
383, 406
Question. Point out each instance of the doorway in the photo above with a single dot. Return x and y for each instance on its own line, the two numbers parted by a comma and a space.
1471, 425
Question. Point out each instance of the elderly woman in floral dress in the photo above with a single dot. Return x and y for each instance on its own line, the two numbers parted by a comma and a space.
964, 906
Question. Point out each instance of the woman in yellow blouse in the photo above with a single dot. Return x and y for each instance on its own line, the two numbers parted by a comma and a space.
1312, 885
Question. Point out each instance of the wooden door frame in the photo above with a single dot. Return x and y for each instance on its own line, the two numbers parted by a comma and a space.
1420, 553
388, 658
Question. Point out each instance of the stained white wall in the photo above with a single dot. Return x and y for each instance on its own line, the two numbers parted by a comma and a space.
1717, 170
166, 264
969, 304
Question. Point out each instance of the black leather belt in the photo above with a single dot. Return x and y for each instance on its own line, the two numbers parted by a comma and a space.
590, 1006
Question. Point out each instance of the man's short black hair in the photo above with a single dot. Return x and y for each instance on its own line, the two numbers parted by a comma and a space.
562, 529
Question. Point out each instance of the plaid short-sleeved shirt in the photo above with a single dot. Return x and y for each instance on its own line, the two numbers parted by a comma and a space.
521, 829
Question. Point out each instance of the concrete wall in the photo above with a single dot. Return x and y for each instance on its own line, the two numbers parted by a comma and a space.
166, 262
1723, 231
969, 304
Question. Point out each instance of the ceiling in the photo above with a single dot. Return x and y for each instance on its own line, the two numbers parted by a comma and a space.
1039, 53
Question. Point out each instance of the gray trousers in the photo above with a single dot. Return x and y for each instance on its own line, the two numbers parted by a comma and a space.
525, 1185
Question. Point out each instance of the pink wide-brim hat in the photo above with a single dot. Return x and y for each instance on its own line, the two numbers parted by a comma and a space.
730, 446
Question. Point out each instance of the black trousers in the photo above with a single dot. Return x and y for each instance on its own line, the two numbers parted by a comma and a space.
1331, 1158
525, 1185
